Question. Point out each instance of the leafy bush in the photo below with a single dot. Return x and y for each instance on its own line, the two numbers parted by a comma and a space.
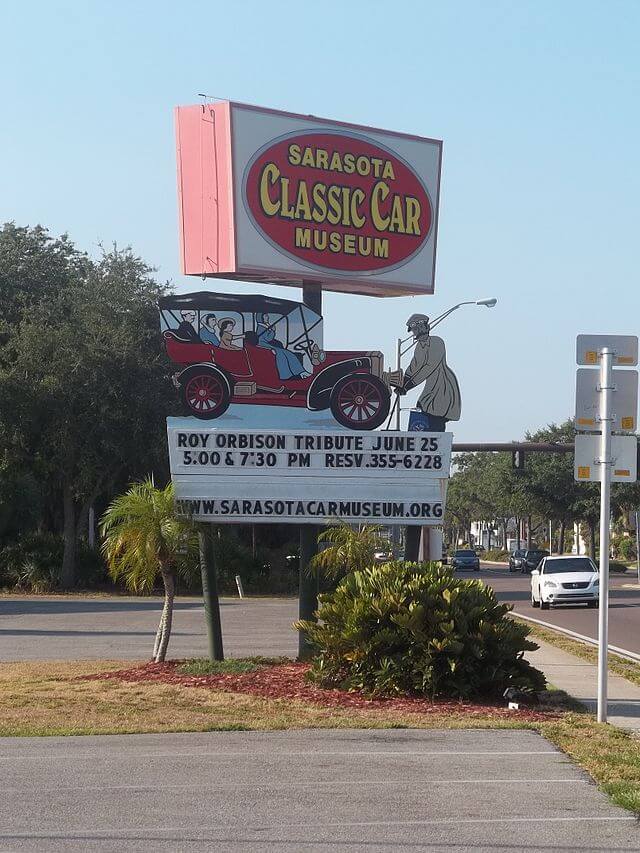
496, 555
615, 566
624, 547
415, 629
91, 569
33, 563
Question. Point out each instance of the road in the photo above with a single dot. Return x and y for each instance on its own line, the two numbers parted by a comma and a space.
624, 607
285, 792
75, 627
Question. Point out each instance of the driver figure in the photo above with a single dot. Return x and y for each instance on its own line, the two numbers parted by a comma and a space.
288, 364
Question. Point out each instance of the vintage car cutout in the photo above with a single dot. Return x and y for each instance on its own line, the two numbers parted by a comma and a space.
266, 351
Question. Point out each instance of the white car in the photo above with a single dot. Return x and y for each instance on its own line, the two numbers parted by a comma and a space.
565, 580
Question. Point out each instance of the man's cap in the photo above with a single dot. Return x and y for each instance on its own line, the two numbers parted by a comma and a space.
414, 319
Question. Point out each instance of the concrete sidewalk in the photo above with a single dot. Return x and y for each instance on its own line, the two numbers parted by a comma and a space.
579, 679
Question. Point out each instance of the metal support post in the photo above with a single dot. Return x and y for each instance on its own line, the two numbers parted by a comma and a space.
307, 583
606, 387
398, 367
412, 534
637, 548
210, 593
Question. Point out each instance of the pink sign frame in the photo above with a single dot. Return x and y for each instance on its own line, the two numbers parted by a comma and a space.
218, 238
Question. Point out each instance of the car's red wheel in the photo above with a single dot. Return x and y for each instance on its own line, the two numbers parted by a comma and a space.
205, 394
360, 401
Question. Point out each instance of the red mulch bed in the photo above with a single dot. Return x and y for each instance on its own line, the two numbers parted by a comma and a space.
287, 681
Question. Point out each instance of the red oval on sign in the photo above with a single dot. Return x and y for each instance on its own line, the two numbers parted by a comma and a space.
337, 201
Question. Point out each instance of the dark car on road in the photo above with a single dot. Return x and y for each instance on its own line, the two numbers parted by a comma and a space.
531, 560
465, 560
516, 558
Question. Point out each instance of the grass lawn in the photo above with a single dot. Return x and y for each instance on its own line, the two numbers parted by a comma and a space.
55, 698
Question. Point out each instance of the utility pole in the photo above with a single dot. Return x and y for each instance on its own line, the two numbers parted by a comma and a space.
606, 388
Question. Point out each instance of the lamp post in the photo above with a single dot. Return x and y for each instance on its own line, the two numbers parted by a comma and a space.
487, 303
413, 533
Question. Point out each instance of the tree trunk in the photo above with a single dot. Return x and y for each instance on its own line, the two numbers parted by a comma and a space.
592, 537
518, 542
156, 644
167, 616
68, 574
561, 534
504, 535
529, 532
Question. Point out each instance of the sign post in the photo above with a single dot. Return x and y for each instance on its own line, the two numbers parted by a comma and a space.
606, 363
617, 455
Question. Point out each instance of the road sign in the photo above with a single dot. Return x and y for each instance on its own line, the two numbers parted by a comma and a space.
587, 467
226, 475
624, 400
625, 348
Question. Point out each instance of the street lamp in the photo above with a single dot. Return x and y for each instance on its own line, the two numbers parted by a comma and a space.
487, 303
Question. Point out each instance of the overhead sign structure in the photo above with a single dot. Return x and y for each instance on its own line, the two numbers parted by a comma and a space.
625, 349
286, 198
623, 464
225, 476
624, 403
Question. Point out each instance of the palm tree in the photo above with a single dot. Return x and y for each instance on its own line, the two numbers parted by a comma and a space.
351, 549
144, 538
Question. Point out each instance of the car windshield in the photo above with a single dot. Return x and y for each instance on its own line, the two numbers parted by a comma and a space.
539, 554
570, 564
465, 554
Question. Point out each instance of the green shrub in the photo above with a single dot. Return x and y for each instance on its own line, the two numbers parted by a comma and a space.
615, 566
624, 547
496, 555
91, 569
33, 563
415, 629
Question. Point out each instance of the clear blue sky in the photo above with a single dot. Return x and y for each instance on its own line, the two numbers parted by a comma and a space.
537, 104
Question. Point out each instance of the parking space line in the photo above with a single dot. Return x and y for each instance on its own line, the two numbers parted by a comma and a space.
288, 785
91, 756
261, 827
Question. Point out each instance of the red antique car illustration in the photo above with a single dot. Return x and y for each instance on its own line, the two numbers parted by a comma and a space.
261, 350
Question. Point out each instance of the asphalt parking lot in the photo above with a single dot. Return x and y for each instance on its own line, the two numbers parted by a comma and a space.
119, 627
350, 790
113, 627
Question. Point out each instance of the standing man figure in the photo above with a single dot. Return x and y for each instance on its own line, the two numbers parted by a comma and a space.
440, 399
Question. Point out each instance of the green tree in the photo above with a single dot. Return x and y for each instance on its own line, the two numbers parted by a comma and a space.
143, 538
350, 549
83, 389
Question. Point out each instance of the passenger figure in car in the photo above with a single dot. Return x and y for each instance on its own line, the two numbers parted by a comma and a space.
186, 330
226, 334
288, 364
208, 329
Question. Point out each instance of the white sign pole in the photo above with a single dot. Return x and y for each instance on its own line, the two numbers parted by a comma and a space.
606, 388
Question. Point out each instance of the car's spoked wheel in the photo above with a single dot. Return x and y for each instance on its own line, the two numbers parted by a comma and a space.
205, 395
360, 402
